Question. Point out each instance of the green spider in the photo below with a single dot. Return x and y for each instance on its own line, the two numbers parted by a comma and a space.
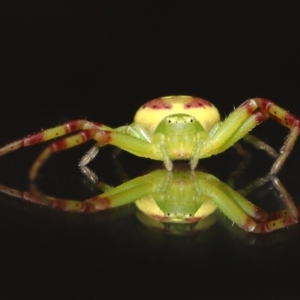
175, 128
170, 128
187, 198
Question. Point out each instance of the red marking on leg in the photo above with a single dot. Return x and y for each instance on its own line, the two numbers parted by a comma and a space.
107, 137
157, 104
28, 197
94, 125
290, 120
85, 135
59, 145
59, 204
260, 214
100, 203
263, 227
249, 225
90, 125
71, 126
277, 215
289, 220
33, 139
103, 136
197, 102
260, 117
250, 106
265, 104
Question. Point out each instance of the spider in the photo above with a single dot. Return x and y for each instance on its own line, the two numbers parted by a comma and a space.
187, 198
170, 128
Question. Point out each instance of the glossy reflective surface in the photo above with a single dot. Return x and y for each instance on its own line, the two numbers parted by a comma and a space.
101, 62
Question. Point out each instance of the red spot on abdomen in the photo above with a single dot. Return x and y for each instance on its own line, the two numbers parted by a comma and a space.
158, 103
197, 102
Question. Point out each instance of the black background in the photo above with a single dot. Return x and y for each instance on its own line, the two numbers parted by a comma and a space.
100, 60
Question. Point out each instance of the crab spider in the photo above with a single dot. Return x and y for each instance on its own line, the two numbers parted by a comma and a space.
170, 128
180, 197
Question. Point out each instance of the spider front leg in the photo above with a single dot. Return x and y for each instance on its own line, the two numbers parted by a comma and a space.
52, 133
102, 137
242, 120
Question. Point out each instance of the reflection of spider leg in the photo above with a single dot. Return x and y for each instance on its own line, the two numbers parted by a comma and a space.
291, 210
246, 215
257, 143
113, 197
241, 166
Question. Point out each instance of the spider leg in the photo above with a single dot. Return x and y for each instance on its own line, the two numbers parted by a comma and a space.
241, 166
62, 144
89, 156
285, 150
242, 120
261, 145
114, 197
282, 116
287, 199
51, 133
255, 142
124, 141
232, 129
246, 215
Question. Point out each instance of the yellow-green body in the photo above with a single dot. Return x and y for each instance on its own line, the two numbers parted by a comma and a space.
175, 128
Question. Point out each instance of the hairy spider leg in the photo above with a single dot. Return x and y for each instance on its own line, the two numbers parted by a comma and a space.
62, 144
222, 135
51, 133
286, 119
242, 120
123, 194
238, 209
242, 212
261, 145
131, 144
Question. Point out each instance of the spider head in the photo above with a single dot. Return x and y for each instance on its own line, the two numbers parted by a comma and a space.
179, 124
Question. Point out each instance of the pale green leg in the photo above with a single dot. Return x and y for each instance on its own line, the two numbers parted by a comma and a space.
135, 130
131, 144
111, 199
238, 209
261, 145
233, 128
128, 143
230, 140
